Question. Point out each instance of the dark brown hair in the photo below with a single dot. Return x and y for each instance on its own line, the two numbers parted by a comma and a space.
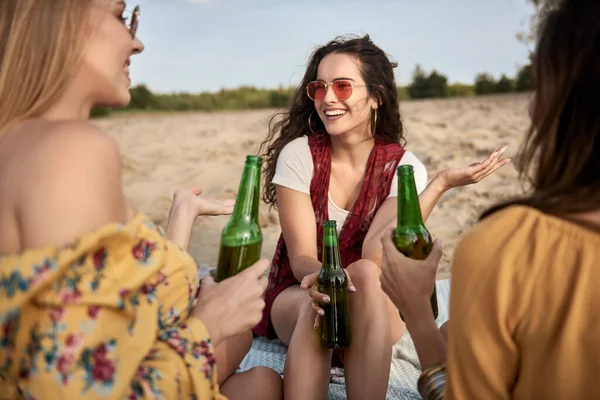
377, 71
560, 157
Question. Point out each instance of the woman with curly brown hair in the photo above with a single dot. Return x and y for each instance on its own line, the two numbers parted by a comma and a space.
334, 155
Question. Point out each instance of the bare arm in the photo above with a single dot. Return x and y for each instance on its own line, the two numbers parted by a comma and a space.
386, 218
180, 224
189, 204
429, 341
298, 225
409, 283
428, 199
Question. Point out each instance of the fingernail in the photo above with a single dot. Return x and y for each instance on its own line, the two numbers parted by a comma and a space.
326, 299
352, 288
315, 326
495, 154
321, 312
508, 160
503, 149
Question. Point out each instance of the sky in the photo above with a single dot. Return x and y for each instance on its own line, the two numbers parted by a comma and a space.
207, 45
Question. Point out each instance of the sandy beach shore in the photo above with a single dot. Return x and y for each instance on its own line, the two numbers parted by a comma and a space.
161, 153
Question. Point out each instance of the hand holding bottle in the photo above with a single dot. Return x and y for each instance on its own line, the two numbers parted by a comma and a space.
310, 283
234, 305
409, 282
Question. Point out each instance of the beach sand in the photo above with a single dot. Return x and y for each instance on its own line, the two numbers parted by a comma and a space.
164, 152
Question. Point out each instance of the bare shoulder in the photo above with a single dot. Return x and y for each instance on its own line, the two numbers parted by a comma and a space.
69, 181
69, 150
58, 139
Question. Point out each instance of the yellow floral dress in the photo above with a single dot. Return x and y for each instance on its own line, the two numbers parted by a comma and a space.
105, 317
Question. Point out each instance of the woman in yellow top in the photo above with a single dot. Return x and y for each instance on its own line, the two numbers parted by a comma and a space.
525, 298
95, 301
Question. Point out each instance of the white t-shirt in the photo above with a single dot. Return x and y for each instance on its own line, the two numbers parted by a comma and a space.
295, 170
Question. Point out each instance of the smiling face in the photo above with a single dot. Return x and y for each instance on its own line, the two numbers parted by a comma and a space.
352, 115
104, 71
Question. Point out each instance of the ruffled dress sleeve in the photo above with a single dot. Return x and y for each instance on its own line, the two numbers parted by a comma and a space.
105, 317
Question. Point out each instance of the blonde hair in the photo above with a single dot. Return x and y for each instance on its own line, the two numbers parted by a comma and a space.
40, 46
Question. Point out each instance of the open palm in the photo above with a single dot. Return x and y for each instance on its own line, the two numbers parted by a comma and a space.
475, 172
203, 205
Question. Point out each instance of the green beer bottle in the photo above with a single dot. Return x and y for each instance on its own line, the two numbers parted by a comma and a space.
335, 324
241, 239
411, 237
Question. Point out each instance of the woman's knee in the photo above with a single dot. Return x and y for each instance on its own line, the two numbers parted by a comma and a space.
289, 308
257, 383
365, 275
268, 376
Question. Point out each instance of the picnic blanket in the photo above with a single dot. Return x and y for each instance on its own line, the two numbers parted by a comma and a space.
405, 368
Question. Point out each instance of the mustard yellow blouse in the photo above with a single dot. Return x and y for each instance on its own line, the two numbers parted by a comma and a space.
525, 310
104, 317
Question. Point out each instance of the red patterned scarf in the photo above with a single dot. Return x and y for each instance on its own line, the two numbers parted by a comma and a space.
381, 168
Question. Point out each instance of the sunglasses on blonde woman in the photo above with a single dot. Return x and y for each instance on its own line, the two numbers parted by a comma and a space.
131, 19
342, 89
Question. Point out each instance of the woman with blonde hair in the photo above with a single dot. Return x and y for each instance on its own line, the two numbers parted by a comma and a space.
95, 300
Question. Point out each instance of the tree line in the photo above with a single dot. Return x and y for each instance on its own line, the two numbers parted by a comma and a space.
423, 86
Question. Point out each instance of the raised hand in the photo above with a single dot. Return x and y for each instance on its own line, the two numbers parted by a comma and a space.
202, 205
475, 172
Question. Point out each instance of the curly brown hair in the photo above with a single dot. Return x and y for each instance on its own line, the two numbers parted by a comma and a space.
376, 69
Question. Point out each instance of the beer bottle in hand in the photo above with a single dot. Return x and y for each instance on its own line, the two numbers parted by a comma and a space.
335, 324
241, 239
411, 237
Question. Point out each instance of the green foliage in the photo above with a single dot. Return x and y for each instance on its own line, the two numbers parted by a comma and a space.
142, 98
505, 85
99, 112
403, 93
461, 90
432, 85
485, 84
426, 86
524, 80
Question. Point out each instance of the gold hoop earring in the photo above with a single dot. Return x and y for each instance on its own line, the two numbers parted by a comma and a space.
374, 123
310, 122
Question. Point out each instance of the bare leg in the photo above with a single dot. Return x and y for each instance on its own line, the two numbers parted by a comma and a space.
285, 311
444, 330
307, 364
259, 383
375, 326
230, 354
